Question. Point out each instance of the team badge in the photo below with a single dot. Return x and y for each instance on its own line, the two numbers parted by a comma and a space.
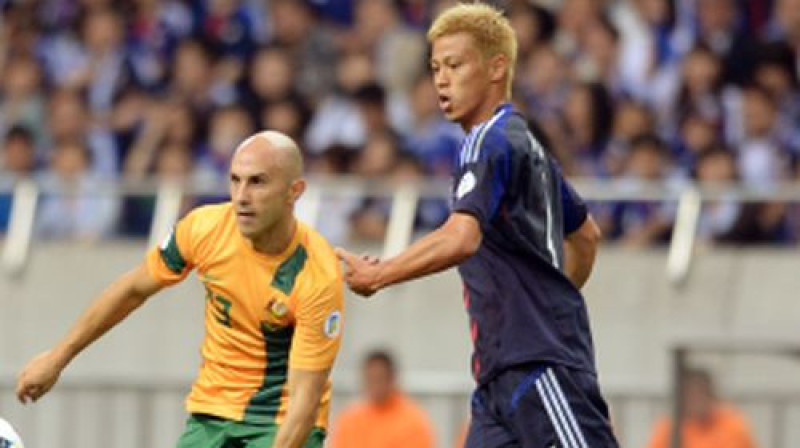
333, 324
277, 309
466, 184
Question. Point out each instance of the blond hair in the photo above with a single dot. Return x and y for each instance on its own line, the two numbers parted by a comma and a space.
487, 25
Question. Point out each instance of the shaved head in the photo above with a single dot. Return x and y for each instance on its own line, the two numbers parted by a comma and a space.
266, 179
277, 150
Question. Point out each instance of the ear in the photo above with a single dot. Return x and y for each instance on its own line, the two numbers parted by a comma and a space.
296, 190
499, 68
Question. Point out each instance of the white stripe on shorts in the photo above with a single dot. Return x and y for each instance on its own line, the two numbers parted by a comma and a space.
559, 422
551, 381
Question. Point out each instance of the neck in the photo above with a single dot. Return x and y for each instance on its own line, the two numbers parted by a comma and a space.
484, 111
275, 240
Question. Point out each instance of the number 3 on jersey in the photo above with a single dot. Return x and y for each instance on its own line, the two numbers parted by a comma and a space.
222, 307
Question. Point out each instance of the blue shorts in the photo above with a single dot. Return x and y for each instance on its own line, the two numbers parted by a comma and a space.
540, 406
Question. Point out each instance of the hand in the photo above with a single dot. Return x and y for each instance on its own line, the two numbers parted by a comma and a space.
38, 377
362, 272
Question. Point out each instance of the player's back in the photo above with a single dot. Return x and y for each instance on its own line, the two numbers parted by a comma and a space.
522, 306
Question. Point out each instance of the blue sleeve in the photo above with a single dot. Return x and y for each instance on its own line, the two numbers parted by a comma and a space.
483, 179
573, 207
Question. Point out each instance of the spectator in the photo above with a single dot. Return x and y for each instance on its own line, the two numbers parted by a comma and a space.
380, 32
155, 28
173, 163
716, 167
600, 58
533, 25
336, 120
642, 223
21, 99
18, 160
708, 422
228, 28
372, 100
700, 92
787, 21
376, 162
775, 74
286, 116
588, 116
69, 120
191, 77
312, 47
228, 127
573, 20
386, 418
697, 134
543, 87
718, 29
75, 206
632, 120
763, 160
431, 138
270, 80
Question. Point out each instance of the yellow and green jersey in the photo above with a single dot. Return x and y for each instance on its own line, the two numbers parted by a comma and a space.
264, 314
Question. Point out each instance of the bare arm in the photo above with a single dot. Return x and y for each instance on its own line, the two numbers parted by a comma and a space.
580, 251
305, 392
115, 303
453, 242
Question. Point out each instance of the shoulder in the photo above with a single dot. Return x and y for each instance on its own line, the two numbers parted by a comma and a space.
412, 410
732, 417
208, 224
210, 216
505, 136
321, 256
351, 415
321, 272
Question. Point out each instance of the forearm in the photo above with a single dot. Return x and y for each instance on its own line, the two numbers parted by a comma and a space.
435, 252
112, 306
578, 262
580, 252
298, 424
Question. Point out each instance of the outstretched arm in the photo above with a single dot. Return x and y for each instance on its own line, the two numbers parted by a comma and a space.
455, 241
115, 303
580, 250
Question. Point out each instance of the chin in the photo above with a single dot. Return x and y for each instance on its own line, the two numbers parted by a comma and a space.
247, 232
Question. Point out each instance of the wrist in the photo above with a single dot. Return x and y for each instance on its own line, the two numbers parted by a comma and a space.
61, 356
380, 279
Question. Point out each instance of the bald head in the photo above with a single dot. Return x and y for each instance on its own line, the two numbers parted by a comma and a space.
274, 149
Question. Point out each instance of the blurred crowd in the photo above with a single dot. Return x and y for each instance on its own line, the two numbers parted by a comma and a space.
664, 91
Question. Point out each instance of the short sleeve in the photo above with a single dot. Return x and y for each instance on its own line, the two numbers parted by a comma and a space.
172, 260
573, 207
318, 328
483, 183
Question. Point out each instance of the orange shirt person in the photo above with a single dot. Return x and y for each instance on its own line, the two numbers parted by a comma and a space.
707, 422
387, 418
273, 309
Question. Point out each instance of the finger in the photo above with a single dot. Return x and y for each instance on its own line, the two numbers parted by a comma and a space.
345, 256
370, 259
20, 392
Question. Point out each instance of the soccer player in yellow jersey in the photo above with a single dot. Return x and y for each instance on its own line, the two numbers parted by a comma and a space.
274, 298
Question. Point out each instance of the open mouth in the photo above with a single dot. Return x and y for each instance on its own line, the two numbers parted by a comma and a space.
444, 102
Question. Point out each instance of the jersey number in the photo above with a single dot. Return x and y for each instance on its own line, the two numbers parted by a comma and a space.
222, 306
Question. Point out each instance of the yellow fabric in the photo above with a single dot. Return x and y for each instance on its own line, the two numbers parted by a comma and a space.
291, 303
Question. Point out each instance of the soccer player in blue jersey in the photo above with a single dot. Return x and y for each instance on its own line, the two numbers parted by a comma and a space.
524, 245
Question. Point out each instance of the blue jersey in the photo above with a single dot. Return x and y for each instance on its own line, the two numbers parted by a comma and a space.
522, 306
